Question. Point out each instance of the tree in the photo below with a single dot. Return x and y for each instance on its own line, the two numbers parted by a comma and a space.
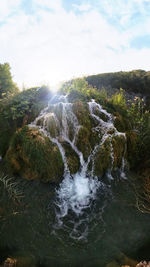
7, 86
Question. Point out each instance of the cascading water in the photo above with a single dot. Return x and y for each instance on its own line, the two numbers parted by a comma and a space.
76, 196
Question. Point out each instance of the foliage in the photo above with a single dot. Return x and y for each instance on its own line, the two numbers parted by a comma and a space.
7, 86
118, 99
78, 89
130, 116
80, 84
19, 110
139, 138
137, 81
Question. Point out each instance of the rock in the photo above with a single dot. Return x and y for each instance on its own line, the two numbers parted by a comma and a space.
9, 262
102, 158
126, 261
72, 158
33, 156
143, 264
121, 123
81, 110
118, 143
83, 143
113, 264
132, 148
52, 127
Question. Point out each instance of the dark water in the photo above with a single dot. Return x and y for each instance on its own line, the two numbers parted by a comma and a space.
29, 232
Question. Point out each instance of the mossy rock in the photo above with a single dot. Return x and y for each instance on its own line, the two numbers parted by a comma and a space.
113, 264
121, 123
102, 158
58, 110
72, 158
19, 110
101, 115
52, 126
133, 148
81, 110
118, 143
83, 143
124, 260
76, 95
33, 156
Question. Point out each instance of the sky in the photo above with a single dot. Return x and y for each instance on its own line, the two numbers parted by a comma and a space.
49, 41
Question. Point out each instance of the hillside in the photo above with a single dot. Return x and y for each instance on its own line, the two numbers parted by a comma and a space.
137, 81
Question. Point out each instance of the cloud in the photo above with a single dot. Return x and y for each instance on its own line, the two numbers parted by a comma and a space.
50, 46
54, 4
82, 7
7, 7
126, 12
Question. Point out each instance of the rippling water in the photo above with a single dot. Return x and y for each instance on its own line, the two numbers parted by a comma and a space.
39, 231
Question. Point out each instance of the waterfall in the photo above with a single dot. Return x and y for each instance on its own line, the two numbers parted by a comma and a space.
78, 191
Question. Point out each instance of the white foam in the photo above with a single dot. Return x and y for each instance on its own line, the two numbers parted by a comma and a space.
76, 193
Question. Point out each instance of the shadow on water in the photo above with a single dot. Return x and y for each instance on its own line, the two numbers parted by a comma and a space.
27, 229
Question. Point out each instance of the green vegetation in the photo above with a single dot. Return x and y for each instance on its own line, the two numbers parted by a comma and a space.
18, 110
137, 81
33, 156
72, 158
102, 158
131, 116
11, 187
7, 86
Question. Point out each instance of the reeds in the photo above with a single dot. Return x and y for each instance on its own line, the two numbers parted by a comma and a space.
11, 187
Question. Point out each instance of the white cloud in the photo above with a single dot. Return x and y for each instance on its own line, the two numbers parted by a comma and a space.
82, 7
60, 45
123, 11
52, 4
7, 7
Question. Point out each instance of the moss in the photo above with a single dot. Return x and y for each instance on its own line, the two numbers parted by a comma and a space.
118, 143
76, 95
121, 123
52, 127
102, 158
94, 138
72, 158
19, 110
83, 143
101, 115
82, 113
58, 110
133, 148
34, 156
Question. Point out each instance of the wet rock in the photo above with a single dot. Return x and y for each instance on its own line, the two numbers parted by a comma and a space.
82, 113
113, 264
52, 127
9, 262
72, 158
122, 261
143, 264
102, 158
118, 143
83, 143
33, 156
121, 123
132, 148
126, 261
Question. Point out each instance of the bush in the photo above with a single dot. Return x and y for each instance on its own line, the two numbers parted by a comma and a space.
19, 110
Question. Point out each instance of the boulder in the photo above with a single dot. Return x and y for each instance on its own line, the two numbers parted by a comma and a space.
33, 156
